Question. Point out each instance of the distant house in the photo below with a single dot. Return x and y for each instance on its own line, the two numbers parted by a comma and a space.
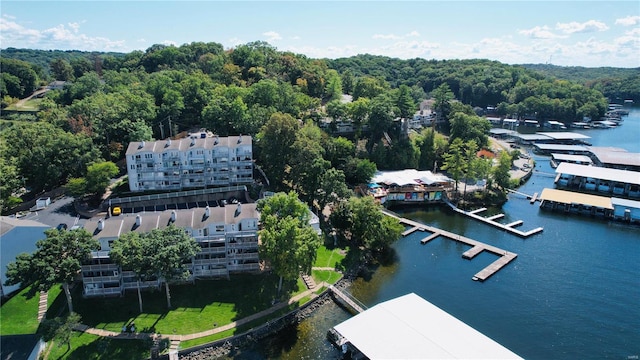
58, 85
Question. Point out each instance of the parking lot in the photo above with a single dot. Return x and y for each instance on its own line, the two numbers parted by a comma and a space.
60, 211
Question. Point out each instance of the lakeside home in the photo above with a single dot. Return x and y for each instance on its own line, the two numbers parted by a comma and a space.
227, 236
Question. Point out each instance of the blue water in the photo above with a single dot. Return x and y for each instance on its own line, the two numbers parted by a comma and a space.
573, 291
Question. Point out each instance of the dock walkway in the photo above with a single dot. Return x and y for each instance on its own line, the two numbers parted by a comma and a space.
490, 220
349, 300
477, 247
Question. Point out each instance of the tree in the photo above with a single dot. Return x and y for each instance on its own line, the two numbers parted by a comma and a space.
332, 188
57, 259
362, 222
501, 171
333, 88
288, 242
442, 96
469, 127
131, 251
62, 70
170, 250
454, 160
60, 329
275, 142
99, 175
404, 102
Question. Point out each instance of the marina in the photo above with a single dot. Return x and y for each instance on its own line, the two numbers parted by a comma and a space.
505, 257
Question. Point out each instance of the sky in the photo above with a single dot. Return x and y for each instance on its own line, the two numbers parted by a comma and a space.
567, 33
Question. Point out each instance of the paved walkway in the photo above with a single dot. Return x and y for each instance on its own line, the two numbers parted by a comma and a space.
274, 308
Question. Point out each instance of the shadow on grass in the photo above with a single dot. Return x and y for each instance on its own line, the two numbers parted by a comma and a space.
195, 307
88, 347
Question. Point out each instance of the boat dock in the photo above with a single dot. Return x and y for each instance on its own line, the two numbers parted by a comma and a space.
477, 247
491, 221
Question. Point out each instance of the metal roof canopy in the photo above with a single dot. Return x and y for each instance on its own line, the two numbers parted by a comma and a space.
608, 156
533, 137
410, 327
561, 147
622, 176
570, 197
567, 157
564, 135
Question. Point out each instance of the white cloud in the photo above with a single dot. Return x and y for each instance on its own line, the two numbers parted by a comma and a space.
585, 27
141, 40
272, 36
395, 37
539, 32
295, 37
628, 21
60, 37
169, 43
236, 41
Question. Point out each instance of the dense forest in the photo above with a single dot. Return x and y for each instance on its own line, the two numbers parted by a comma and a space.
278, 97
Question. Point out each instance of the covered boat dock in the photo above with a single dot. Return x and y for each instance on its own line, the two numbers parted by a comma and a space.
598, 179
410, 327
570, 201
573, 159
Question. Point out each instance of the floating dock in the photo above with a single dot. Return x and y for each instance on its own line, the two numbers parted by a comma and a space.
490, 220
477, 247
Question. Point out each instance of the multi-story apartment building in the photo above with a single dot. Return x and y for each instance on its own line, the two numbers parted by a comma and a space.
227, 236
197, 161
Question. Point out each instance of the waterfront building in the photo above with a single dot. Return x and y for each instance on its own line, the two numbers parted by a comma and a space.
198, 161
569, 201
408, 186
560, 137
227, 236
546, 149
410, 327
598, 179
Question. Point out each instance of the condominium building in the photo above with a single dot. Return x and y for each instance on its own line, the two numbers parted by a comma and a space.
227, 236
197, 161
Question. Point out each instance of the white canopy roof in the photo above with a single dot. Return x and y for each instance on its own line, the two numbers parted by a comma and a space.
408, 177
622, 176
409, 327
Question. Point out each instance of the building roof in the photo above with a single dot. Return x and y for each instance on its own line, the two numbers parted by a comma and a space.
576, 158
615, 156
622, 176
193, 142
561, 147
533, 137
408, 177
498, 131
195, 218
570, 197
565, 135
409, 327
625, 202
510, 120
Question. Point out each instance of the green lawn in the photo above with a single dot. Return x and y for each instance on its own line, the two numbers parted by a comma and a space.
331, 277
91, 347
19, 315
331, 258
29, 105
195, 307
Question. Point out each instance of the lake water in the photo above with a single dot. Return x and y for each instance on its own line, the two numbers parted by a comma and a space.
573, 291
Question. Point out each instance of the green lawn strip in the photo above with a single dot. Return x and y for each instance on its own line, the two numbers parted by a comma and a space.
196, 307
88, 347
29, 105
331, 277
53, 294
328, 257
243, 328
19, 315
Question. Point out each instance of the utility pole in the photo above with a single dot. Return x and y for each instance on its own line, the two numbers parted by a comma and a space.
161, 131
170, 129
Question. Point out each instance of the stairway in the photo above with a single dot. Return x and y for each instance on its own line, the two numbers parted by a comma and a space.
309, 282
42, 305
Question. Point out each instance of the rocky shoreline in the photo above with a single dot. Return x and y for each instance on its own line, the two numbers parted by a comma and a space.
227, 347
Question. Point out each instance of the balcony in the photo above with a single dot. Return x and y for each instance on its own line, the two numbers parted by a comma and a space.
244, 267
210, 272
102, 291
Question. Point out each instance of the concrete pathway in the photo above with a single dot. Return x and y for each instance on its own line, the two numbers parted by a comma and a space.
177, 338
42, 305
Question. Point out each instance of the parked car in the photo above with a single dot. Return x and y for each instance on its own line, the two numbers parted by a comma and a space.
61, 227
